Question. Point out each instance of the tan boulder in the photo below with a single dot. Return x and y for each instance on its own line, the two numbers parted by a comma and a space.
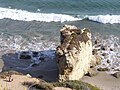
75, 53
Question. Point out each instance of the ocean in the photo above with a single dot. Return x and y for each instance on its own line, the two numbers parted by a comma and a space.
34, 24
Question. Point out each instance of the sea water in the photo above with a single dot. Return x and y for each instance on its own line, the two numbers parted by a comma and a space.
34, 24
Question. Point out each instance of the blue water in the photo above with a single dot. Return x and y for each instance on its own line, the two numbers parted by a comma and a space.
66, 6
35, 24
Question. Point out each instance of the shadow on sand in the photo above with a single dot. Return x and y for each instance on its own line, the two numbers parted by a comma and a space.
47, 69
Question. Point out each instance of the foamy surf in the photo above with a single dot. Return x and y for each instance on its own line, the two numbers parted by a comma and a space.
109, 54
105, 18
23, 15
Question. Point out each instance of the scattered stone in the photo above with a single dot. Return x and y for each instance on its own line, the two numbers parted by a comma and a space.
103, 69
117, 74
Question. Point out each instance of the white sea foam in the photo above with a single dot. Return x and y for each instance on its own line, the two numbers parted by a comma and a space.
110, 56
105, 18
30, 16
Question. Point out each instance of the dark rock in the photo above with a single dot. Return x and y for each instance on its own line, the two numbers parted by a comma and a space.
103, 48
103, 69
41, 76
42, 58
104, 54
25, 56
108, 61
96, 41
35, 54
111, 49
117, 74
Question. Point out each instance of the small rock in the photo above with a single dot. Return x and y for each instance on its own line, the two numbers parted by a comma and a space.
92, 72
104, 54
117, 74
97, 41
94, 52
28, 75
24, 55
103, 48
41, 76
103, 69
111, 49
108, 61
35, 54
42, 58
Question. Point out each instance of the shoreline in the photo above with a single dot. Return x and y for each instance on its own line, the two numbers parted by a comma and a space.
102, 80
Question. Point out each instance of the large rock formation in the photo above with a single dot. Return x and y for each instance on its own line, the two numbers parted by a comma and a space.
75, 53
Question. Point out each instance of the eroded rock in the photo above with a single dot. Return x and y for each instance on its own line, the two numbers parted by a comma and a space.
74, 54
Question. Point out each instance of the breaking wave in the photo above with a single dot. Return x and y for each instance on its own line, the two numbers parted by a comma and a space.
105, 18
30, 16
23, 15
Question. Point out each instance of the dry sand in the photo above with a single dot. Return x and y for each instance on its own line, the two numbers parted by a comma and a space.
16, 84
104, 81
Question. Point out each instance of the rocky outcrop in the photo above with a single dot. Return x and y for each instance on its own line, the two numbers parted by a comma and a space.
74, 55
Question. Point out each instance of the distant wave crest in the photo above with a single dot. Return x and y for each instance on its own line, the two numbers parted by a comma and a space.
105, 18
30, 16
23, 15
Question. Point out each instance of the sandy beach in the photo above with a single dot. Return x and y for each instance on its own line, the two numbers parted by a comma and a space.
48, 71
104, 81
